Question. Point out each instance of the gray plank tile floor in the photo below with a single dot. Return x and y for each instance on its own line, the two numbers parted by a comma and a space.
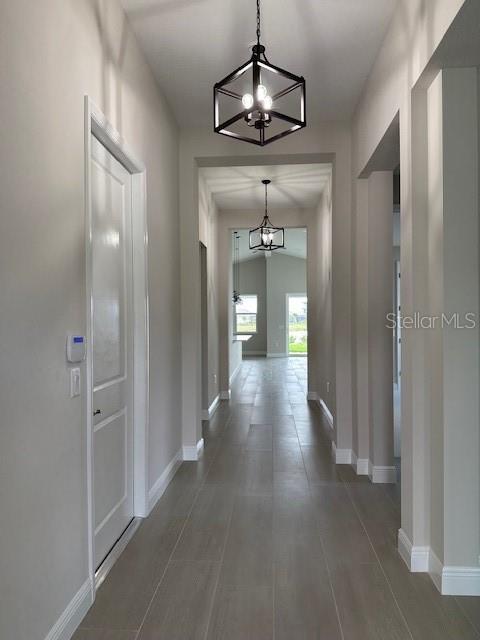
265, 538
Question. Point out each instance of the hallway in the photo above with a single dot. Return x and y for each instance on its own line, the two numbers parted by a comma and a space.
264, 537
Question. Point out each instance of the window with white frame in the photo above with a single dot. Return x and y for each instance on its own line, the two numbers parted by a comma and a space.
246, 315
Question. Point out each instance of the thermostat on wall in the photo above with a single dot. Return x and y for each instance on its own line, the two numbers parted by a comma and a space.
76, 347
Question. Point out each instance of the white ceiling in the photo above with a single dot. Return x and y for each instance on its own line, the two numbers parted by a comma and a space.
191, 44
295, 245
293, 186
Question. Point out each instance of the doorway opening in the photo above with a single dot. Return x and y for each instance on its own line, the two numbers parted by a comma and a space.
379, 250
270, 318
297, 328
397, 337
254, 285
204, 325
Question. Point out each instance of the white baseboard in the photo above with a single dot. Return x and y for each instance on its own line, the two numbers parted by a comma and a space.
326, 411
362, 466
191, 452
415, 557
449, 580
382, 475
235, 372
158, 489
113, 555
208, 413
68, 622
461, 581
277, 355
341, 456
225, 395
313, 395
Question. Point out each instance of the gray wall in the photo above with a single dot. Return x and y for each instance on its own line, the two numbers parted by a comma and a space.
253, 280
57, 52
452, 356
384, 95
380, 304
321, 362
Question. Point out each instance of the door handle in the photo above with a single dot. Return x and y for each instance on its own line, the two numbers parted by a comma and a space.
97, 412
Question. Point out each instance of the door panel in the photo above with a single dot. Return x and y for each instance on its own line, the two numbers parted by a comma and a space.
112, 337
110, 452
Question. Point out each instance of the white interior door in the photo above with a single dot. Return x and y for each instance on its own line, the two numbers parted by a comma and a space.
112, 346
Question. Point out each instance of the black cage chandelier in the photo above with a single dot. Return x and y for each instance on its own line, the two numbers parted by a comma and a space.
272, 100
266, 237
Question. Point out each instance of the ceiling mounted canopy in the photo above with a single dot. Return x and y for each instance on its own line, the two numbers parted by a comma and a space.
266, 237
258, 102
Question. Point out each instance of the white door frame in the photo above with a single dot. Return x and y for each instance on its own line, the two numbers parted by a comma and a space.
97, 125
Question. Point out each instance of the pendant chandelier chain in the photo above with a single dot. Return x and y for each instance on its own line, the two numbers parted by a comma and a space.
266, 203
266, 219
238, 263
258, 22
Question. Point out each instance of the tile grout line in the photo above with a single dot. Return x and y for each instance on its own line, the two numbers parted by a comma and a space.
166, 568
322, 546
215, 589
214, 595
391, 499
273, 593
273, 554
458, 600
201, 485
379, 562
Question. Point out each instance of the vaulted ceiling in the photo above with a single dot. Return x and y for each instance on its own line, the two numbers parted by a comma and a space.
191, 44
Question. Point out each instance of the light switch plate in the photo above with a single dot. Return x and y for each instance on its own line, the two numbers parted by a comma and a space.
75, 382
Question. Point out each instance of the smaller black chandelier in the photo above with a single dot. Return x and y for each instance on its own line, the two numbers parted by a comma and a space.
266, 237
272, 100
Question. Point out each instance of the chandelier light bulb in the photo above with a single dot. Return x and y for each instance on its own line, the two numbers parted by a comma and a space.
267, 103
247, 101
261, 92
